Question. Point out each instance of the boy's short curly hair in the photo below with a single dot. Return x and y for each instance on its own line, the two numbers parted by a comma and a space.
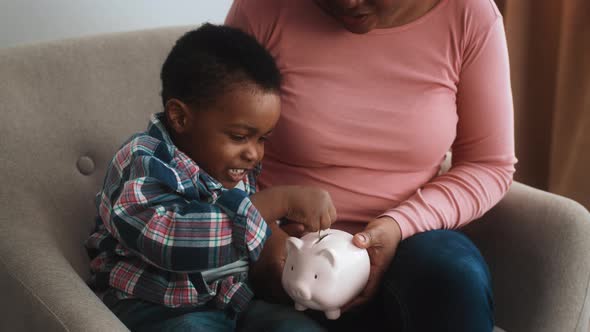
207, 62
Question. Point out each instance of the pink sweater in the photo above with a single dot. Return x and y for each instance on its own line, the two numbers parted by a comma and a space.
370, 117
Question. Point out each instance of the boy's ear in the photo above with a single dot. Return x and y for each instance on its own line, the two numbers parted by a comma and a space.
177, 115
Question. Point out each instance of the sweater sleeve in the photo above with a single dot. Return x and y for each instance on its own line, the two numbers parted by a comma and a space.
483, 150
236, 17
255, 17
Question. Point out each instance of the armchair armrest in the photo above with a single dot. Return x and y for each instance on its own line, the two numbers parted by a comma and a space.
537, 245
40, 289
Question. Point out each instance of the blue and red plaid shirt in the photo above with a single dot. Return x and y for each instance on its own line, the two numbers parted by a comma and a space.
162, 221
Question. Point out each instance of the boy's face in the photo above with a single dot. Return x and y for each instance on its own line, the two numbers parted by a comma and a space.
227, 140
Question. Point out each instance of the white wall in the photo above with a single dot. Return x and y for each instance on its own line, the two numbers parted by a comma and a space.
26, 21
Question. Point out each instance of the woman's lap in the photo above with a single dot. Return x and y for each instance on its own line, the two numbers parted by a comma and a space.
438, 281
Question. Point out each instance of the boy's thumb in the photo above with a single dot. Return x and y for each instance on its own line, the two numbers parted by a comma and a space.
293, 229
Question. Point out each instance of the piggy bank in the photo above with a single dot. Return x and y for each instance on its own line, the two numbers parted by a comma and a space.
324, 273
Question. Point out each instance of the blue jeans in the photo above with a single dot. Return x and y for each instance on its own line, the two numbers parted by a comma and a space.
260, 316
438, 281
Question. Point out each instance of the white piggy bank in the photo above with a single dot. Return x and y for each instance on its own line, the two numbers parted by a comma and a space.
324, 274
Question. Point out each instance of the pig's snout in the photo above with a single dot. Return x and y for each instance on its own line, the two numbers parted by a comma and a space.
301, 291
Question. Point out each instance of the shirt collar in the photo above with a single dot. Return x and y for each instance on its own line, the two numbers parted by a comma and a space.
204, 182
157, 129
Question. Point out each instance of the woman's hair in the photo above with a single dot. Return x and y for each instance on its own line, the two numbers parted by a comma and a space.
207, 62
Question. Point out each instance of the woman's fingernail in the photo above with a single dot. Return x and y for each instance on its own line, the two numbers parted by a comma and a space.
362, 238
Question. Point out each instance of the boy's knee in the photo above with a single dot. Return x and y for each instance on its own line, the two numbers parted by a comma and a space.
197, 322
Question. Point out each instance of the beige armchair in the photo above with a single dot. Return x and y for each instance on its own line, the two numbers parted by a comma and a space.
66, 106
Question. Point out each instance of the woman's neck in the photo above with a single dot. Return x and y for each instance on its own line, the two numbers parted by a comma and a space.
407, 12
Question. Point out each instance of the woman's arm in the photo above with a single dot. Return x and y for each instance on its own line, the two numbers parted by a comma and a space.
483, 160
483, 151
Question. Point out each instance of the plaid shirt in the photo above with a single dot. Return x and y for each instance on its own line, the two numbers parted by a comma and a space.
162, 221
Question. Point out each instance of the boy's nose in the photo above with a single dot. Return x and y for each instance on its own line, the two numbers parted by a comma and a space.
252, 153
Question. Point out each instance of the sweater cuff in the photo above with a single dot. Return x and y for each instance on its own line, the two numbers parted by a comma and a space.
405, 225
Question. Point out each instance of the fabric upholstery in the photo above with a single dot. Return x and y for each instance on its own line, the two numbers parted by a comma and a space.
59, 102
67, 106
537, 246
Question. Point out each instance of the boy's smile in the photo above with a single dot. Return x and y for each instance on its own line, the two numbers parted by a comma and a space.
227, 139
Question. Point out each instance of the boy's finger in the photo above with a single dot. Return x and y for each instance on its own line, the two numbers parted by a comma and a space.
332, 212
293, 229
311, 224
325, 221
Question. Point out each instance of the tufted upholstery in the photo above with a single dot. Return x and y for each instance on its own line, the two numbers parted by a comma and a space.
66, 106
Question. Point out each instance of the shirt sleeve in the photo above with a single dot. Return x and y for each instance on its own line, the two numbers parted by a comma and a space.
483, 151
153, 220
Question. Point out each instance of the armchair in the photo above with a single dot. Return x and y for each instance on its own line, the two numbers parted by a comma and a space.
67, 105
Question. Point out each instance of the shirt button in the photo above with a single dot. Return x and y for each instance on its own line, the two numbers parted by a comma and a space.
85, 165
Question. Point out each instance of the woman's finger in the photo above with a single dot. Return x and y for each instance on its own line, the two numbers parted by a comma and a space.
369, 290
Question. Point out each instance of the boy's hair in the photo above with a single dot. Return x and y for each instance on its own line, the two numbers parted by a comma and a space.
207, 62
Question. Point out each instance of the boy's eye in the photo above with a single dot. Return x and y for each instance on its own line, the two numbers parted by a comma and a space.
238, 138
263, 139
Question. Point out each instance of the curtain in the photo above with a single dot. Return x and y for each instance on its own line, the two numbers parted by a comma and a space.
549, 48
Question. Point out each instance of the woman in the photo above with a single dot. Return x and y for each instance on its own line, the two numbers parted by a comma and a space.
375, 93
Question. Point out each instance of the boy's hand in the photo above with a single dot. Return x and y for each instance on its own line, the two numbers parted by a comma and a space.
307, 209
265, 274
309, 206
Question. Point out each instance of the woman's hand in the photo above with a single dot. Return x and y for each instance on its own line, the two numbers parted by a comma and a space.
381, 238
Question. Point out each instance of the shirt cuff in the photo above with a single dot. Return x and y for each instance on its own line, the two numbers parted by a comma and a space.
249, 231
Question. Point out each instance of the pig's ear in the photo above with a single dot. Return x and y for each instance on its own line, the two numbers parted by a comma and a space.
293, 243
330, 255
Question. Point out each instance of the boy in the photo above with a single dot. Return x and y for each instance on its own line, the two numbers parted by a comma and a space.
179, 217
